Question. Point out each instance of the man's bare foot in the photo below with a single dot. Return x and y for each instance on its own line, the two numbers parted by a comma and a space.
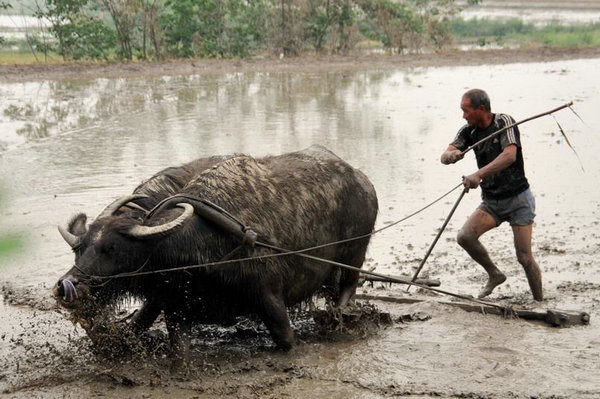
493, 282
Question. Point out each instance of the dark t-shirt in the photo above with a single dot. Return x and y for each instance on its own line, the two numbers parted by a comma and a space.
508, 182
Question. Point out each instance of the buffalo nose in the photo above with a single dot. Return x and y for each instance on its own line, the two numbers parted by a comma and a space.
65, 288
60, 291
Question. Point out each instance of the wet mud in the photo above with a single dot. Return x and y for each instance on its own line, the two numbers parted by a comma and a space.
236, 361
352, 62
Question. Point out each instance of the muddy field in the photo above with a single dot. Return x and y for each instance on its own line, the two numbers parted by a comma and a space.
17, 73
422, 350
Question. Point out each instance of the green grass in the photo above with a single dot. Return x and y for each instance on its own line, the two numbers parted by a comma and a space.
7, 57
550, 36
516, 31
26, 57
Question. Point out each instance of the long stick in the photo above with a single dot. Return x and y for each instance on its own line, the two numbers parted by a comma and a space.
423, 281
497, 132
437, 237
554, 317
389, 278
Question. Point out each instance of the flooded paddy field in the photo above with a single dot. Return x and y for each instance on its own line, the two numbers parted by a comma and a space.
539, 12
75, 144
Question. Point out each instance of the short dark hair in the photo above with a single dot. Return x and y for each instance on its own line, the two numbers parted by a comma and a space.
478, 97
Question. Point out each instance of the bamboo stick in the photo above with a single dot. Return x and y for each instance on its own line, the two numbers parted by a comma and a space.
553, 317
497, 132
437, 237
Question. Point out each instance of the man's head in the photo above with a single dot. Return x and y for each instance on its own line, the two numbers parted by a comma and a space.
476, 108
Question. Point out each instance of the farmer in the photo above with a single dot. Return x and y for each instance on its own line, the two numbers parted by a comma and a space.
504, 189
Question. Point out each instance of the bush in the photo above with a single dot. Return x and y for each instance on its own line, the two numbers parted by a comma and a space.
213, 28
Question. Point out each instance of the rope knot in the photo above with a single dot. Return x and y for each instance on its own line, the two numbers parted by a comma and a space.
250, 237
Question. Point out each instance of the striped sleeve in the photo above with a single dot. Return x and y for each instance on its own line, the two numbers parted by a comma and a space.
511, 135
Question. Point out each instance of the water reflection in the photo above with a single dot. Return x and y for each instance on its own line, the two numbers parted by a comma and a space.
37, 110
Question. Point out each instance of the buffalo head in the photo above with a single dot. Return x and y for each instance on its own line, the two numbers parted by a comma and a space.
114, 246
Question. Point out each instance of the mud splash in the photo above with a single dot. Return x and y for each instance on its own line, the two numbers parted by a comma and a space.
238, 361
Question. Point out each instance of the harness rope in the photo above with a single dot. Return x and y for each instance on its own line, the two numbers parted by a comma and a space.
286, 252
226, 259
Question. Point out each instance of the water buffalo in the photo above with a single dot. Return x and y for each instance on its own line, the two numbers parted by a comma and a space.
296, 200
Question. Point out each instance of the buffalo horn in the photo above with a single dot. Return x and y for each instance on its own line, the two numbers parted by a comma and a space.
146, 232
114, 207
71, 239
133, 205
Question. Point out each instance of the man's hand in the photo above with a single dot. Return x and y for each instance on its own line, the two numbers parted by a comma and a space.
471, 181
452, 156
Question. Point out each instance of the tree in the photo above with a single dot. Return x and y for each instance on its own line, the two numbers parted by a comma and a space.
245, 26
408, 25
327, 21
78, 34
150, 27
3, 6
124, 15
238, 28
212, 28
397, 24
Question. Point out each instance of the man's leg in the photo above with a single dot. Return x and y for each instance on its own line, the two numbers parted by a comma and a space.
522, 236
468, 237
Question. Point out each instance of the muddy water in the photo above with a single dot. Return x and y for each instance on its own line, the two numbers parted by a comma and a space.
69, 146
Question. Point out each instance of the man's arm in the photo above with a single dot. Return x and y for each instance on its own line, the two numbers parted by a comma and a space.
451, 155
501, 162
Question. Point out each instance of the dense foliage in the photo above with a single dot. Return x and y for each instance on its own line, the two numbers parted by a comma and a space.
142, 29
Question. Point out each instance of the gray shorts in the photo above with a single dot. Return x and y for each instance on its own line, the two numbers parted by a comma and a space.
518, 210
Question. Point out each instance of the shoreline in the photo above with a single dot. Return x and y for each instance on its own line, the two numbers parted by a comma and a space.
90, 70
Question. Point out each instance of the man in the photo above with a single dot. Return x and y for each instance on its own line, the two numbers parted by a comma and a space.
505, 190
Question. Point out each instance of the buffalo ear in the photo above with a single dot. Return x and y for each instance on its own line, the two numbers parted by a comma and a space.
77, 225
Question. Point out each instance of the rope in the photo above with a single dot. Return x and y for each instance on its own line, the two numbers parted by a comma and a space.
227, 260
301, 252
370, 273
286, 252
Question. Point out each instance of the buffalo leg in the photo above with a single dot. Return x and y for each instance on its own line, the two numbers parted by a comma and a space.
274, 315
179, 336
349, 278
143, 319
